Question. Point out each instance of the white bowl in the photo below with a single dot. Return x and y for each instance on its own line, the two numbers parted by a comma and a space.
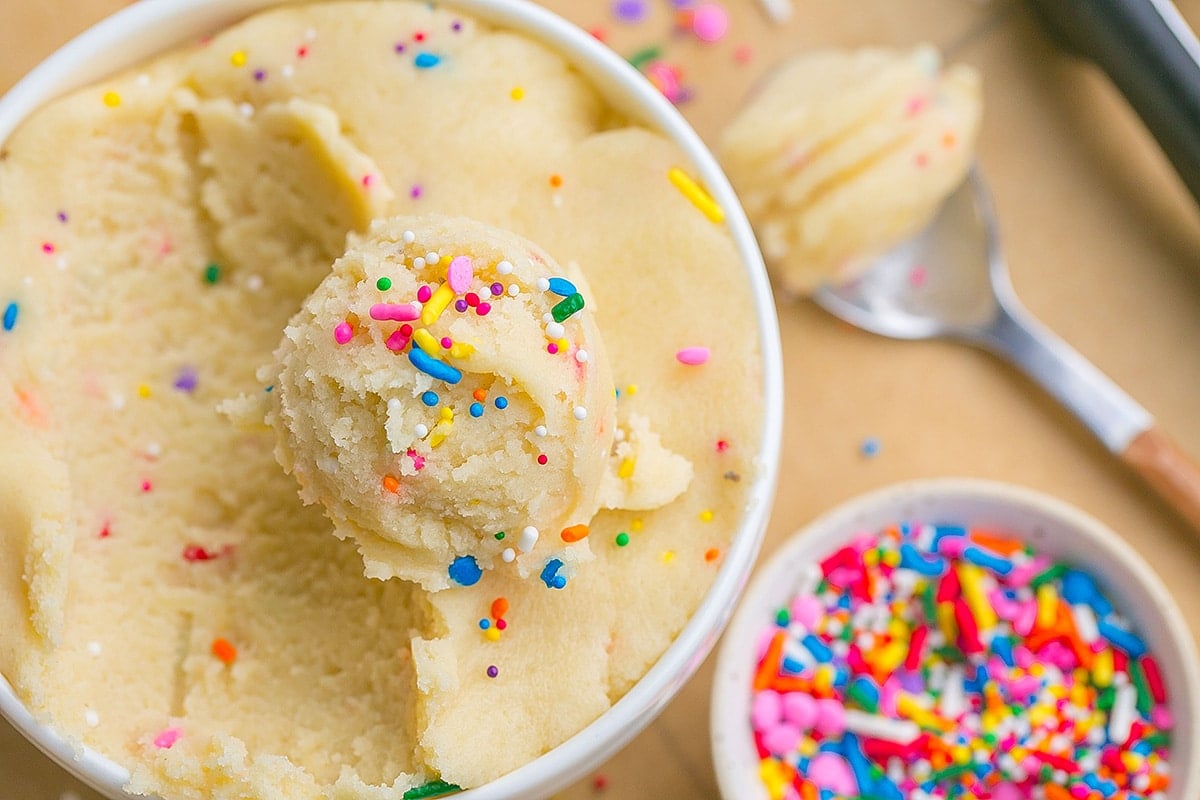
145, 29
1051, 526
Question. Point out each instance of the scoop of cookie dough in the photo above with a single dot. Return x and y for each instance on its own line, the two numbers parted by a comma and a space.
842, 155
444, 393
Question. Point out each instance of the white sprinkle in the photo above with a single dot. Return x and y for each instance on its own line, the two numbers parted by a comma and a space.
254, 283
580, 413
504, 268
422, 430
61, 262
418, 263
556, 201
513, 290
527, 539
540, 430
543, 284
432, 258
778, 10
394, 404
409, 237
143, 80
310, 34
91, 718
555, 330
154, 449
507, 555
94, 648
27, 280
246, 110
287, 70
581, 356
117, 400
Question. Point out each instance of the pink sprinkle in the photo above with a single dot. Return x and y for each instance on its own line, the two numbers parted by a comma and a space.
552, 348
105, 530
710, 22
922, 159
146, 486
47, 247
415, 191
918, 276
397, 341
446, 342
397, 312
692, 356
722, 445
167, 739
915, 105
483, 308
194, 552
743, 53
343, 333
367, 180
417, 459
459, 274
423, 295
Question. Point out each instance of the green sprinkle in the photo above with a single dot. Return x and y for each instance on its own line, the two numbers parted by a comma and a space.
383, 284
568, 306
1158, 739
782, 618
952, 771
1105, 701
431, 789
1051, 574
622, 539
212, 273
644, 56
1145, 702
500, 536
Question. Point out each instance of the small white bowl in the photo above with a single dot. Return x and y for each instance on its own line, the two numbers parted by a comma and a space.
146, 29
1051, 526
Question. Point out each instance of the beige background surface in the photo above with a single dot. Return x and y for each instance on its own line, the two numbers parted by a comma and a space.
1103, 243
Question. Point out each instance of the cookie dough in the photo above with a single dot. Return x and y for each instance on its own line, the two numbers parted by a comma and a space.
166, 597
843, 154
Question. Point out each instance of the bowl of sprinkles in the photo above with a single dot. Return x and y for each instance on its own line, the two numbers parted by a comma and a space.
956, 639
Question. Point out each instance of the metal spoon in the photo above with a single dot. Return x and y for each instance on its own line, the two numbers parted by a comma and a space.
951, 281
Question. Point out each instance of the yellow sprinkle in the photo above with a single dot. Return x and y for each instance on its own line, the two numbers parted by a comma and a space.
436, 304
706, 516
692, 191
808, 747
238, 58
890, 657
631, 389
461, 350
635, 525
1047, 606
492, 634
1102, 669
112, 99
437, 437
426, 342
823, 679
668, 556
774, 778
946, 622
448, 413
960, 754
143, 390
626, 468
975, 593
563, 345
891, 558
517, 93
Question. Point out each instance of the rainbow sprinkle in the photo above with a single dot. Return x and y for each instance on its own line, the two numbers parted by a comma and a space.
942, 662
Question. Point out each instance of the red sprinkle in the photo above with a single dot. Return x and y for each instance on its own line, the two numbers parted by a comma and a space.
195, 552
542, 459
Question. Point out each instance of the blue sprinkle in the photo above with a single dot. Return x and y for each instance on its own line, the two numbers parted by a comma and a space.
501, 403
867, 687
1002, 647
998, 565
430, 398
562, 287
1123, 640
465, 571
10, 316
942, 531
818, 648
550, 575
1079, 587
426, 60
870, 447
792, 665
432, 367
484, 624
476, 409
910, 558
269, 389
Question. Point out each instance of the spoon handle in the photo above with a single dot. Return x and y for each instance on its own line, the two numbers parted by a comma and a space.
1118, 421
1163, 465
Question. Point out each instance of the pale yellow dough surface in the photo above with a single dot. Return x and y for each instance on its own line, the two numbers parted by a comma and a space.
843, 154
159, 230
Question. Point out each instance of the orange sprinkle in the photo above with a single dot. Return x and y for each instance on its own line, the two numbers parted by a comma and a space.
712, 554
499, 607
574, 533
769, 668
1001, 545
1055, 792
949, 139
391, 484
808, 791
556, 180
223, 650
480, 394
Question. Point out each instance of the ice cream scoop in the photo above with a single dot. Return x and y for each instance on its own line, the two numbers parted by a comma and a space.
444, 393
843, 154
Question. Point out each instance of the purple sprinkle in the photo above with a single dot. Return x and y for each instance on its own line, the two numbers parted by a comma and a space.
187, 379
492, 671
399, 47
260, 75
62, 216
415, 191
456, 26
629, 10
497, 289
460, 305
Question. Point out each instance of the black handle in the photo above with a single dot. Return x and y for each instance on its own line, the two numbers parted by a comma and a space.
1153, 58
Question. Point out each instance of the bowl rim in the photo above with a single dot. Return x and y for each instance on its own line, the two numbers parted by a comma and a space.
138, 32
730, 740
